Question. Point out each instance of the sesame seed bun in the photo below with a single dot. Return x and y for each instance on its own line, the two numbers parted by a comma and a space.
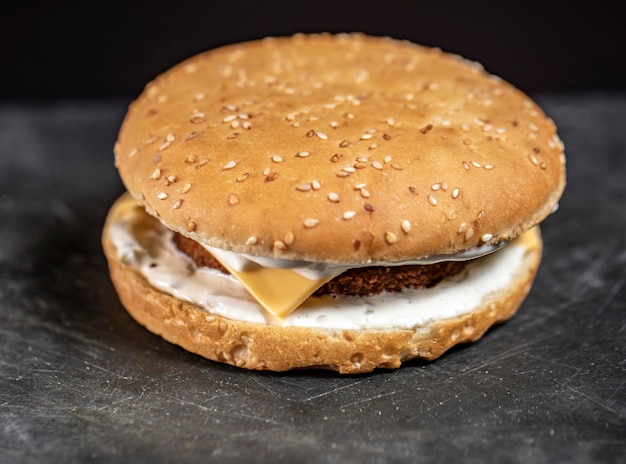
276, 347
344, 148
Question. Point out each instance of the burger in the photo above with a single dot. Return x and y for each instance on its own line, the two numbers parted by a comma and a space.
344, 202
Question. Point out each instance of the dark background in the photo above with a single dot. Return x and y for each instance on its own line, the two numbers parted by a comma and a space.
51, 50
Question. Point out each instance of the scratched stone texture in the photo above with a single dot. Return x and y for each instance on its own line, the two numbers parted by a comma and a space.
80, 381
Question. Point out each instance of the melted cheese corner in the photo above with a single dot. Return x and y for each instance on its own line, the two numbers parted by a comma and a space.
279, 291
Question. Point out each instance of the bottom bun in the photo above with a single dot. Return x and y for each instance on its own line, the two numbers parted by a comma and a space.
277, 347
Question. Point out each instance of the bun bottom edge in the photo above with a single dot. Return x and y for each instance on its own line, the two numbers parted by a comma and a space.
276, 348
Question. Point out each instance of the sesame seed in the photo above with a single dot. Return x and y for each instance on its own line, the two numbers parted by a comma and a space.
168, 141
366, 136
162, 196
533, 127
462, 228
386, 137
347, 215
171, 178
315, 185
500, 130
234, 135
476, 164
196, 117
465, 127
368, 207
348, 169
243, 116
296, 124
391, 238
426, 128
344, 143
413, 190
271, 176
432, 200
486, 237
388, 159
348, 116
231, 164
243, 177
277, 158
467, 141
289, 238
466, 165
390, 121
335, 158
304, 187
543, 165
290, 117
233, 199
278, 245
452, 214
252, 240
192, 135
488, 167
469, 233
230, 117
311, 222
487, 127
199, 97
377, 165
302, 154
332, 196
481, 214
364, 193
156, 174
191, 226
186, 188
246, 125
372, 146
533, 159
322, 135
132, 153
360, 186
455, 193
310, 133
334, 124
396, 166
435, 186
406, 226
234, 124
359, 165
178, 204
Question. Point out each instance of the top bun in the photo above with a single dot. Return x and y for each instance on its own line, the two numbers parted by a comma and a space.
340, 148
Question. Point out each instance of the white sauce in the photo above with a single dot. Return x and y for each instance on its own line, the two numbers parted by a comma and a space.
146, 246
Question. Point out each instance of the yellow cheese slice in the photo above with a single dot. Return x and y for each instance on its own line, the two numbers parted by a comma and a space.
279, 291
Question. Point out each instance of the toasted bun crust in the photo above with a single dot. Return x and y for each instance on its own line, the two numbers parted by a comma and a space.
336, 148
278, 348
